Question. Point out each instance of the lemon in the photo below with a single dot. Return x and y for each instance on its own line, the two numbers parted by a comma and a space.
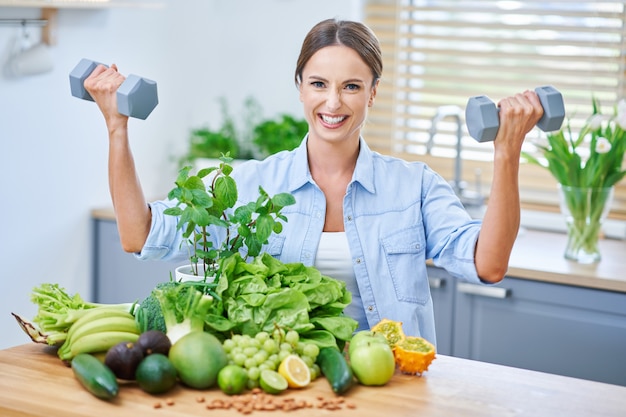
272, 382
295, 371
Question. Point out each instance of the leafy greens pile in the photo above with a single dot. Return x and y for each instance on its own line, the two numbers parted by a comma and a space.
265, 293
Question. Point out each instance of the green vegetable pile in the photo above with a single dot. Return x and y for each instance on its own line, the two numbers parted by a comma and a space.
246, 298
250, 297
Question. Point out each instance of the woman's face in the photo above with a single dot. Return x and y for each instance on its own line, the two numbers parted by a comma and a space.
336, 91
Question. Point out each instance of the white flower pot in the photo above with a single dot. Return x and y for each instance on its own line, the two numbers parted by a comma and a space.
186, 273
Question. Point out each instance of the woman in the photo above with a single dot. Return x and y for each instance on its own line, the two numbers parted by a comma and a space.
369, 219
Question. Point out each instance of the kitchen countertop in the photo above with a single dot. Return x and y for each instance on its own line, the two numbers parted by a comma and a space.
538, 256
35, 383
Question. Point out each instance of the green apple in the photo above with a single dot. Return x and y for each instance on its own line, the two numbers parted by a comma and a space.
365, 337
371, 358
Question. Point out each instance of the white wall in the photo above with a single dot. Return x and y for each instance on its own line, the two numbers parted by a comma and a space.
53, 168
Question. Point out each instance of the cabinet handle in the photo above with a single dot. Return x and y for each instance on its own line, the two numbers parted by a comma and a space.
436, 282
484, 291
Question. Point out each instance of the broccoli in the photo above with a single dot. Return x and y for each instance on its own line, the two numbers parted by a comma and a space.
148, 314
175, 308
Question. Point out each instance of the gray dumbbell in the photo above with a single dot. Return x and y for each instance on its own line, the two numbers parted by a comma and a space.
481, 114
136, 97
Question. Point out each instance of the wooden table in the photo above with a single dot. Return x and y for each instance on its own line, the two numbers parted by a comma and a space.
34, 382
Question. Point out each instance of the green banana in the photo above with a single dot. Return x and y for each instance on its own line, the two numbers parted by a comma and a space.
101, 341
96, 320
95, 314
103, 324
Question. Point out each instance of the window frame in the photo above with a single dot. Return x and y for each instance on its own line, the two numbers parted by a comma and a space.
538, 189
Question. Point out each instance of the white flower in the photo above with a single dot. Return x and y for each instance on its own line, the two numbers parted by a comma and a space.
620, 118
595, 121
603, 145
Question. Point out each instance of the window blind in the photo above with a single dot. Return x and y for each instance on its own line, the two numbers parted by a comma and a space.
438, 53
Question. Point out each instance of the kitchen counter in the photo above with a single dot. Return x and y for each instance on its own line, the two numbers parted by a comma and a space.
35, 383
538, 256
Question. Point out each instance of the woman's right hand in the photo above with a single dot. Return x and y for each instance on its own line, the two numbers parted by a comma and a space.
102, 84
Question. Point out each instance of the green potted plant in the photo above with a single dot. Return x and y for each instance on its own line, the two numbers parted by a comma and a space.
207, 143
283, 133
200, 205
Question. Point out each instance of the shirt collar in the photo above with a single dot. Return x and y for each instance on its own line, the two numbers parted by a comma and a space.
363, 172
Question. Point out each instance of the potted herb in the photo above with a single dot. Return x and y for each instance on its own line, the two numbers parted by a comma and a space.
199, 206
284, 133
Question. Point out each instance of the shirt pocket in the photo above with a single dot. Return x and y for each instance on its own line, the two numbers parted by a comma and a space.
404, 254
275, 245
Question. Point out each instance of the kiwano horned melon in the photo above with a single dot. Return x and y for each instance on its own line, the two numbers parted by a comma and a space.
392, 330
413, 355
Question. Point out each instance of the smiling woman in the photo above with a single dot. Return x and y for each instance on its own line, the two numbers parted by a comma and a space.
393, 214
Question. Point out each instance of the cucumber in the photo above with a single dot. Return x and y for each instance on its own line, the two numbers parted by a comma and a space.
95, 376
336, 369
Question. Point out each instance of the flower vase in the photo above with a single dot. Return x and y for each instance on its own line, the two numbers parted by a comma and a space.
585, 209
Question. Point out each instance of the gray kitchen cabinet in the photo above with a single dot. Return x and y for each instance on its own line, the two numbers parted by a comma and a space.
560, 329
119, 276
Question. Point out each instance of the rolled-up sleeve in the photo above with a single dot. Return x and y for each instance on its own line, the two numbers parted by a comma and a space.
164, 242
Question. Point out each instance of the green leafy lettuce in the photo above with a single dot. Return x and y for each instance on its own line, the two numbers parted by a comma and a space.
265, 293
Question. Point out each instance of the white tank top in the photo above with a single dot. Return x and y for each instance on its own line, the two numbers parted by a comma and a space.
333, 259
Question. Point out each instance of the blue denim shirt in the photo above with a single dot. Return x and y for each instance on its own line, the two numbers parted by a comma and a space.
397, 214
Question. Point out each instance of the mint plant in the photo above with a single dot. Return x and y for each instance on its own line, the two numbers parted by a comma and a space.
208, 198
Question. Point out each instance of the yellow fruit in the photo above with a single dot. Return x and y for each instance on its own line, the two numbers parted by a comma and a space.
392, 330
413, 355
295, 371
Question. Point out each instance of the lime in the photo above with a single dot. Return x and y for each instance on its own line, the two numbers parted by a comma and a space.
198, 357
156, 374
272, 382
295, 371
232, 379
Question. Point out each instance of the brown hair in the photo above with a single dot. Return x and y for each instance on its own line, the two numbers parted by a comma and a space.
354, 35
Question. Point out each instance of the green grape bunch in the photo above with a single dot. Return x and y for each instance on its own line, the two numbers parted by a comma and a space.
267, 350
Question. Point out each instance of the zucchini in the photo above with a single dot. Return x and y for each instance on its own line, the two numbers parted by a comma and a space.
336, 369
95, 376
